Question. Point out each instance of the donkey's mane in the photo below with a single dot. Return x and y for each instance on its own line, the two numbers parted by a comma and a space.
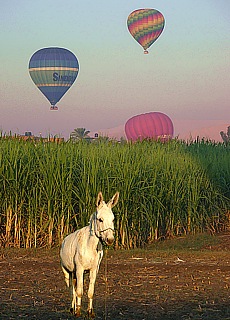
92, 223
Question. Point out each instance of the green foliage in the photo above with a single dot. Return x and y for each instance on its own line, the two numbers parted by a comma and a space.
226, 136
198, 242
79, 134
48, 189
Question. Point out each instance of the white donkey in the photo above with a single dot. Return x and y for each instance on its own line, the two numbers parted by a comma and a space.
82, 250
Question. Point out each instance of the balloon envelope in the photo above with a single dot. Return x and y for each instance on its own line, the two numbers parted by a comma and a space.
152, 125
145, 25
53, 70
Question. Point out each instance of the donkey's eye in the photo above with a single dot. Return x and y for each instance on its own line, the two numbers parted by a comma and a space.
100, 220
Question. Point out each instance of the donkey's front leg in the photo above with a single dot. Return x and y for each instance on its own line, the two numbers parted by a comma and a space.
92, 279
79, 290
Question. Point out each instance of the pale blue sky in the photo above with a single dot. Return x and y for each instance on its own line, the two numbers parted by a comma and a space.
185, 74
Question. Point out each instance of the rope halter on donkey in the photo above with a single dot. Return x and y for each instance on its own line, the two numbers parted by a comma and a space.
94, 226
101, 221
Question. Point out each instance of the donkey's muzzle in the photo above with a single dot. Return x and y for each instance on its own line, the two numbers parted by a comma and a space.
109, 236
109, 241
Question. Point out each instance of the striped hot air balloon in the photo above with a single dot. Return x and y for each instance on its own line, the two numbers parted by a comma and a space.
53, 70
145, 25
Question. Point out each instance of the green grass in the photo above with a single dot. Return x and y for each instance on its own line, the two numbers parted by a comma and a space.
172, 189
187, 243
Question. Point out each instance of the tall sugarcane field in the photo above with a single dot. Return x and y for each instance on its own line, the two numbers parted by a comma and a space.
167, 189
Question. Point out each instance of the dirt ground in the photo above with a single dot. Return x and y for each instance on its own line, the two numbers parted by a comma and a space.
140, 284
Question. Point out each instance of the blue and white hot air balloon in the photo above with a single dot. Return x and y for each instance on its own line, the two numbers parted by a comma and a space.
53, 70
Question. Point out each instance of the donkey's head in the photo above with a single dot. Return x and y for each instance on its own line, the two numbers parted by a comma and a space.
104, 225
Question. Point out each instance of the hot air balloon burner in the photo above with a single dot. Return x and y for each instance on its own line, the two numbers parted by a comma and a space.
53, 108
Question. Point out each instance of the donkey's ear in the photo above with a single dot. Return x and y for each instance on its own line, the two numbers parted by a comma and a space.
99, 199
114, 200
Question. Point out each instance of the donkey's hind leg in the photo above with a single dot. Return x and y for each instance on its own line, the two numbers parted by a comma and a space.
66, 275
71, 283
73, 295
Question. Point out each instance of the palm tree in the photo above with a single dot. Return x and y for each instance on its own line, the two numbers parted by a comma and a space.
226, 136
79, 134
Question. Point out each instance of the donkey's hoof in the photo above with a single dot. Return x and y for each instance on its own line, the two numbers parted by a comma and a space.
91, 314
78, 312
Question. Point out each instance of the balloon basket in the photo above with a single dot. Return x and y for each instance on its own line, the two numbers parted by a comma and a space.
146, 52
53, 108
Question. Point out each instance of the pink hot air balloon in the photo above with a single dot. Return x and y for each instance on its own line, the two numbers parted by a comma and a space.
152, 125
